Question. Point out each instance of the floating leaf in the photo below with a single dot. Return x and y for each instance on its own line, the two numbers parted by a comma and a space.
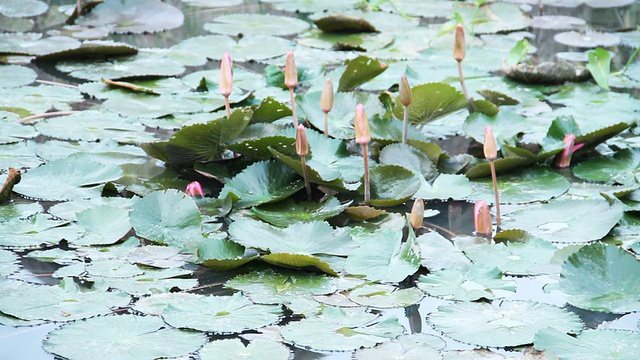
8, 263
474, 283
230, 349
602, 277
343, 23
541, 184
440, 253
599, 66
384, 296
15, 75
133, 16
152, 281
122, 337
262, 182
359, 71
596, 344
408, 347
220, 314
567, 221
99, 231
222, 254
170, 218
256, 24
510, 324
392, 185
431, 101
491, 17
36, 231
288, 212
589, 39
619, 168
253, 47
35, 44
532, 257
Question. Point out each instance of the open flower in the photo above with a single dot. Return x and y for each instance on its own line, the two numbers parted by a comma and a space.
194, 189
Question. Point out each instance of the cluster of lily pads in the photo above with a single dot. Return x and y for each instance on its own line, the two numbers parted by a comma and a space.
309, 244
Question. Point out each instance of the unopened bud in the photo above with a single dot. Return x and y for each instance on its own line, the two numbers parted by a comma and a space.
302, 145
482, 218
459, 48
290, 71
363, 135
194, 189
326, 99
565, 157
405, 91
417, 214
490, 149
226, 75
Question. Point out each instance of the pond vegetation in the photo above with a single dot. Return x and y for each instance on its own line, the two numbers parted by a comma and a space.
302, 179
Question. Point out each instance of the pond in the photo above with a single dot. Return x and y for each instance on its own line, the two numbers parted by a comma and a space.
158, 202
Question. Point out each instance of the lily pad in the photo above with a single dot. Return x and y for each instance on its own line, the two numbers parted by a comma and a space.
15, 75
22, 8
384, 296
359, 71
590, 39
230, 349
222, 254
220, 314
343, 23
35, 44
541, 184
253, 47
602, 277
431, 101
619, 168
474, 283
100, 232
532, 257
440, 253
392, 185
288, 212
407, 347
511, 323
596, 344
262, 182
133, 16
122, 337
491, 18
256, 24
567, 221
8, 263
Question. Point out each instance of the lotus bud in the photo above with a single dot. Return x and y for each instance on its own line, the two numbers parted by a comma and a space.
564, 160
482, 218
417, 214
490, 150
326, 100
363, 135
226, 75
405, 91
290, 71
302, 145
459, 48
194, 189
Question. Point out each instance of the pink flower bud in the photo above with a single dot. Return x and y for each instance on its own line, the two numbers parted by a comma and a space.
405, 91
326, 99
459, 47
564, 160
482, 218
290, 71
194, 189
490, 149
417, 214
302, 145
363, 135
226, 75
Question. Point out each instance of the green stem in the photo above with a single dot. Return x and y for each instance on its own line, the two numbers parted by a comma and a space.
367, 189
293, 108
326, 124
227, 105
305, 174
405, 125
494, 178
472, 107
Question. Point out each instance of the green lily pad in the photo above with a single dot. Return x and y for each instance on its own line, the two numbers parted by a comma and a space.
15, 75
383, 256
619, 168
271, 286
133, 16
8, 263
262, 182
37, 231
541, 184
25, 8
65, 302
222, 255
596, 344
447, 186
252, 47
532, 257
343, 24
510, 324
566, 221
410, 158
34, 100
602, 277
311, 6
123, 337
230, 349
407, 347
306, 238
170, 218
329, 264
491, 18
340, 333
67, 179
220, 314
288, 212
392, 185
474, 283
35, 44
91, 48
431, 101
152, 281
256, 24
385, 296
440, 253
163, 257
100, 232
359, 71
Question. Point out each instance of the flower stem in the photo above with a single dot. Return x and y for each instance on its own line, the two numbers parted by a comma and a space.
367, 189
495, 190
293, 107
405, 125
305, 174
326, 124
227, 106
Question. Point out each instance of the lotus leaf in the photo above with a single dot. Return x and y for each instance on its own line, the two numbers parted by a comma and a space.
596, 344
222, 254
407, 347
533, 257
8, 263
256, 24
541, 184
440, 253
288, 212
152, 281
229, 349
474, 283
384, 296
431, 101
133, 16
392, 185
